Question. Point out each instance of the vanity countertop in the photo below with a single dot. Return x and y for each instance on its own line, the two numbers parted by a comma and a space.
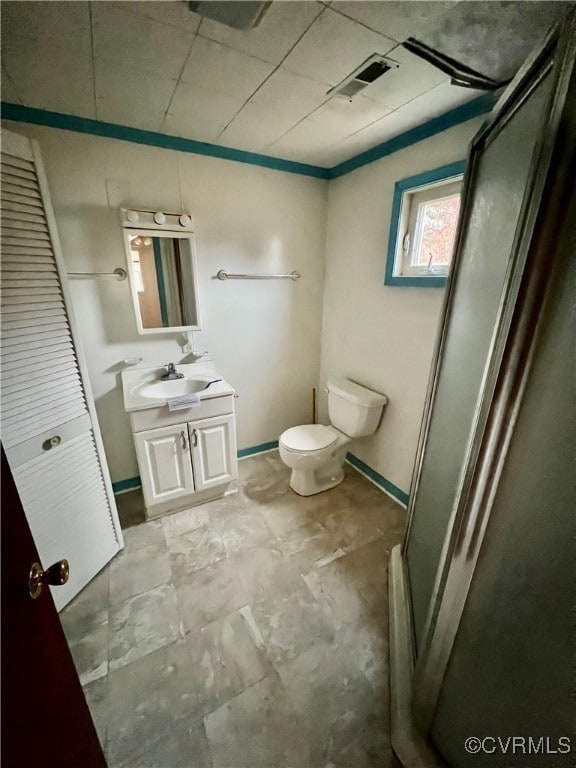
135, 379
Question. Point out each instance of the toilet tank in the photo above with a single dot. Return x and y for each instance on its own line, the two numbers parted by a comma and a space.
353, 409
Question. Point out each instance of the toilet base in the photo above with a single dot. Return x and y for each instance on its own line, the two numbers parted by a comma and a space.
309, 483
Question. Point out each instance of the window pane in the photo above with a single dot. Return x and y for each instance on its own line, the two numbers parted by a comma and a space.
435, 232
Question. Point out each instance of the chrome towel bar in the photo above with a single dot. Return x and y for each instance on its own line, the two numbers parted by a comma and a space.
120, 273
223, 275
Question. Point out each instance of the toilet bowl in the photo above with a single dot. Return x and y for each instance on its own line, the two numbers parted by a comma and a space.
315, 453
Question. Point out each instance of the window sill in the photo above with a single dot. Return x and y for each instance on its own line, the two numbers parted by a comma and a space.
436, 281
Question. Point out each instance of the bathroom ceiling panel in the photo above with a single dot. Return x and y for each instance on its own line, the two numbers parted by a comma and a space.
157, 66
285, 91
333, 47
175, 14
240, 133
492, 38
9, 92
50, 77
281, 27
197, 113
411, 79
340, 152
57, 23
301, 151
306, 139
435, 102
217, 67
138, 42
329, 125
372, 135
126, 97
339, 117
397, 20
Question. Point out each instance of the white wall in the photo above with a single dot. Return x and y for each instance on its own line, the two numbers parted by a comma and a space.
381, 336
264, 336
269, 339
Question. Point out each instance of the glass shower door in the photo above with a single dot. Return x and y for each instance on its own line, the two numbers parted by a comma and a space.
498, 188
520, 173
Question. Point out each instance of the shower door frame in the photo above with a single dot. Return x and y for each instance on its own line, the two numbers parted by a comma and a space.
511, 349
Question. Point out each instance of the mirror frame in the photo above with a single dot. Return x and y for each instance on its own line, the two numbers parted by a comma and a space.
163, 233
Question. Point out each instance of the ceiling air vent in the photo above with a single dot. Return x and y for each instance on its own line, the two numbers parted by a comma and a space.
367, 73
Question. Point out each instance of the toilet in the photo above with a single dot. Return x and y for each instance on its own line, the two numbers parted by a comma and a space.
315, 453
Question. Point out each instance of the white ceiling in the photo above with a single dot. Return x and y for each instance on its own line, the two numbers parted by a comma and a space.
159, 67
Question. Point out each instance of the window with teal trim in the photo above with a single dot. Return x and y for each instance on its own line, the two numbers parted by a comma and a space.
425, 212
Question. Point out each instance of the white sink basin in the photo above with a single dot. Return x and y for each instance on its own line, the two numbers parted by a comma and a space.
143, 388
161, 390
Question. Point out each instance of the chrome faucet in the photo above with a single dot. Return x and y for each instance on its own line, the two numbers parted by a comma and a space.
171, 373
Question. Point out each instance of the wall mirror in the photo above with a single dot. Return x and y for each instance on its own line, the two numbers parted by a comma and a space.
162, 269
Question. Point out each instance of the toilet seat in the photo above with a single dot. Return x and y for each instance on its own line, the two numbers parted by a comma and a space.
308, 438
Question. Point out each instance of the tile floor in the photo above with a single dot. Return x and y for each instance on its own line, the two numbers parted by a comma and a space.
250, 631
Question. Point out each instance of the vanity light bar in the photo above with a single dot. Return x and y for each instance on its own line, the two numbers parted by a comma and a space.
142, 219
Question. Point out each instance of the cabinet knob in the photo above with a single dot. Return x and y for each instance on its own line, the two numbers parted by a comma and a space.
184, 443
52, 442
194, 438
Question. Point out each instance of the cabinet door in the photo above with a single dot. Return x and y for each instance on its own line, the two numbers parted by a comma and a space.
164, 461
213, 451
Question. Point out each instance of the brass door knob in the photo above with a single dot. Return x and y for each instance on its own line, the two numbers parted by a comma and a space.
56, 575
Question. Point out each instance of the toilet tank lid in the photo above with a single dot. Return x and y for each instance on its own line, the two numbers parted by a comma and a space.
349, 390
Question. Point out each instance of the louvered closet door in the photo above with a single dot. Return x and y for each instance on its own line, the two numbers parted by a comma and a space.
47, 418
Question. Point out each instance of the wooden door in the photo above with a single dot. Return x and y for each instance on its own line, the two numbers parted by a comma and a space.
45, 718
213, 451
48, 420
165, 463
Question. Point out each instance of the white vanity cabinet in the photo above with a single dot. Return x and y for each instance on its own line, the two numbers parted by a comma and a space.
165, 463
213, 443
186, 457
